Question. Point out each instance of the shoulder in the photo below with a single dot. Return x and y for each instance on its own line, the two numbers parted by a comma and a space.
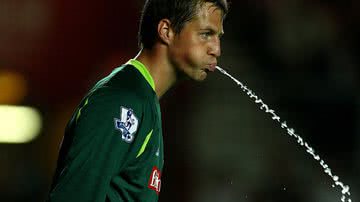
105, 104
124, 88
126, 81
110, 98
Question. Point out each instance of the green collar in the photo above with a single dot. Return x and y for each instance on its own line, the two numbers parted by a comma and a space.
142, 69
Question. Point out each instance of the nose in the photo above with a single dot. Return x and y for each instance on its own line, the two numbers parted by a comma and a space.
215, 49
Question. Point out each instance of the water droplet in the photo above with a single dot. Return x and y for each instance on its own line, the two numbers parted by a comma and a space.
345, 189
291, 133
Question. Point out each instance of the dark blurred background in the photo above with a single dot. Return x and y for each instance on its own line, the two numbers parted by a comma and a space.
301, 57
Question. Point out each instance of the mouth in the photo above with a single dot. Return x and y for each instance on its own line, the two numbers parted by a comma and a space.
210, 67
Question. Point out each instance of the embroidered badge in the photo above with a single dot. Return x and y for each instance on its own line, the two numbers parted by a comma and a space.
155, 180
127, 124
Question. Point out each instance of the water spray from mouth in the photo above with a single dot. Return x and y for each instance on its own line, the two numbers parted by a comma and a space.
291, 132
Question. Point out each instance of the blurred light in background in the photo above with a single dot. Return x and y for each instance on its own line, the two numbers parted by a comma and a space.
12, 87
19, 124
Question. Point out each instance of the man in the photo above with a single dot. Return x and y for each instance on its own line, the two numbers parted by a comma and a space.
112, 148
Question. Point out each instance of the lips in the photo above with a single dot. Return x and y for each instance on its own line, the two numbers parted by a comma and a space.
211, 67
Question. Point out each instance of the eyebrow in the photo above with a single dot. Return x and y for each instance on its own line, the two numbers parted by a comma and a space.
208, 28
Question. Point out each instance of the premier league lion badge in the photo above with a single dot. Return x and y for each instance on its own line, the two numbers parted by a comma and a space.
127, 124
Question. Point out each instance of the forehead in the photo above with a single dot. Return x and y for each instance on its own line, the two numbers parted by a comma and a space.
208, 15
206, 8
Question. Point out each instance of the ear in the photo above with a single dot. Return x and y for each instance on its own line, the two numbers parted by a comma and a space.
165, 32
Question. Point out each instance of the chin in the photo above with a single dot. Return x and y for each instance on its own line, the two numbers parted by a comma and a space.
200, 77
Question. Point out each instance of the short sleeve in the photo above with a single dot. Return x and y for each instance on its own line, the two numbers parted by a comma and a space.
99, 140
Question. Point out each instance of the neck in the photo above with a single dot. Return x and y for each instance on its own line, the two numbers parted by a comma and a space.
162, 72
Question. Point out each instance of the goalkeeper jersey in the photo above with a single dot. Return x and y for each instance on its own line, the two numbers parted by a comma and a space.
113, 147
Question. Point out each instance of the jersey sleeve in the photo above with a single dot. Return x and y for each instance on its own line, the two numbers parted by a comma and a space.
100, 139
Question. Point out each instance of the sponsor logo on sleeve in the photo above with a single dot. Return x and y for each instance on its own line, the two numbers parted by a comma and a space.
127, 124
155, 180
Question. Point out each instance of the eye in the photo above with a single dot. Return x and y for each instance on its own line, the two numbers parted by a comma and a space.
206, 35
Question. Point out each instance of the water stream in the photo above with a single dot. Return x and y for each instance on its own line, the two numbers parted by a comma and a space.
345, 193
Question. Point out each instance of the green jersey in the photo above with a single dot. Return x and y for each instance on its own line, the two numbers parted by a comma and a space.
113, 148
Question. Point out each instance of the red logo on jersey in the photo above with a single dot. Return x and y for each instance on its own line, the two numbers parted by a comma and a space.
155, 180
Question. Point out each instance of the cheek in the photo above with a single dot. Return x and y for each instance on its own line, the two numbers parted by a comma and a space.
195, 56
188, 51
194, 53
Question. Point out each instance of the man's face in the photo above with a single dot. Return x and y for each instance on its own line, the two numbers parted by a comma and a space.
194, 51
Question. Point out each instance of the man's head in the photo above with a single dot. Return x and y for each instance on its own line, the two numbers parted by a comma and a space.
190, 29
178, 12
